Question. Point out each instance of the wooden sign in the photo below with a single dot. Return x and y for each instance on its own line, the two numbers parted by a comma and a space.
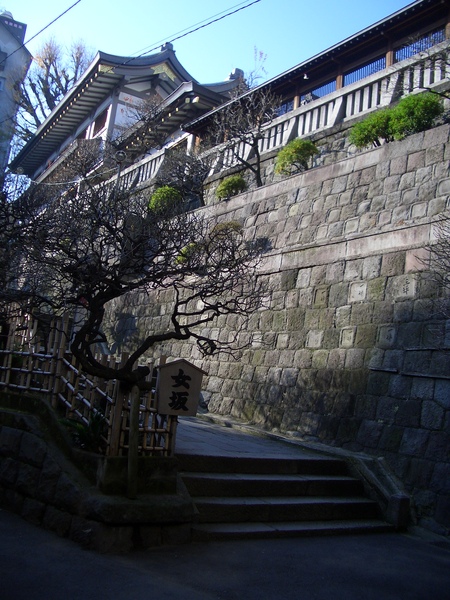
178, 388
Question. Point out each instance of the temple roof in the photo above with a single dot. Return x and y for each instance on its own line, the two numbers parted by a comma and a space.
106, 73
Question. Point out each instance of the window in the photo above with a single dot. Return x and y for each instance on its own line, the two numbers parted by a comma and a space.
285, 107
3, 57
365, 70
323, 90
100, 122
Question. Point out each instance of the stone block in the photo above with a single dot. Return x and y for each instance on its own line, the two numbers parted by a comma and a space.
32, 450
408, 414
57, 520
400, 386
33, 511
440, 481
67, 495
378, 383
442, 393
354, 358
10, 440
314, 339
439, 446
386, 410
422, 388
416, 160
369, 433
414, 442
27, 480
442, 513
9, 468
398, 165
391, 438
357, 291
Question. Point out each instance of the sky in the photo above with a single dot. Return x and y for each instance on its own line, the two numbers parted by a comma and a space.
286, 32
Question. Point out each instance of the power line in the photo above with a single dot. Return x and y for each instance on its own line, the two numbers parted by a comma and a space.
182, 31
201, 26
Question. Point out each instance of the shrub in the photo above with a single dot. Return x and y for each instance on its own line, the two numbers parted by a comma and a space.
412, 114
376, 128
230, 186
165, 200
415, 113
187, 253
295, 156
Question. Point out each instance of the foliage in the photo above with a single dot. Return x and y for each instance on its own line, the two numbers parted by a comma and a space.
188, 252
83, 247
373, 130
412, 114
230, 186
186, 171
88, 436
164, 200
54, 71
295, 156
415, 113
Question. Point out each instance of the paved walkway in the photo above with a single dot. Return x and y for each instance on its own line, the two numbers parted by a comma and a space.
198, 436
37, 565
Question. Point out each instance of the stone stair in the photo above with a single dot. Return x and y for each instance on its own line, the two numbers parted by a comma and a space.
276, 497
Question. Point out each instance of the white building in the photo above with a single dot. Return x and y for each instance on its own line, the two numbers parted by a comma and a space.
14, 62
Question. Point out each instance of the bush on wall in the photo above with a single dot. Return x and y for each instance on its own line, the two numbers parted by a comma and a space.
164, 200
412, 114
295, 156
230, 186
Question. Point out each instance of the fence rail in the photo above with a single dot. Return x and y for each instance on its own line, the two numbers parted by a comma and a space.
34, 358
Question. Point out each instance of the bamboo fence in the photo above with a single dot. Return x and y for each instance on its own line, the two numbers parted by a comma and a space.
35, 358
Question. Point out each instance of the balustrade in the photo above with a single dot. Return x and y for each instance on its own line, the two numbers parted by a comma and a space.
375, 91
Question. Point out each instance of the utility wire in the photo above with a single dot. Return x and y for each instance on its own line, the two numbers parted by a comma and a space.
183, 33
201, 26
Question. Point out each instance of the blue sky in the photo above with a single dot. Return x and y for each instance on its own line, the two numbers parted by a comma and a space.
287, 31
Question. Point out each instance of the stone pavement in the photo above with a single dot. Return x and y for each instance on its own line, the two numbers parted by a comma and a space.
225, 438
35, 564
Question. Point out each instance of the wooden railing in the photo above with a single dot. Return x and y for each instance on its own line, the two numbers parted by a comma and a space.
34, 358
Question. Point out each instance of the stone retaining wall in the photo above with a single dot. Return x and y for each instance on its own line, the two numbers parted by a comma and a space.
352, 349
41, 484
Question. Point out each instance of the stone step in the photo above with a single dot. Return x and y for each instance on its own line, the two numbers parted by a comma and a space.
277, 509
247, 484
305, 465
239, 531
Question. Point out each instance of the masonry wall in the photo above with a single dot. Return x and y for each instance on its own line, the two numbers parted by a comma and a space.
353, 347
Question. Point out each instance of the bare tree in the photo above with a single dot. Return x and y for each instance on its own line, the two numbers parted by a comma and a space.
145, 129
241, 127
53, 73
83, 246
186, 171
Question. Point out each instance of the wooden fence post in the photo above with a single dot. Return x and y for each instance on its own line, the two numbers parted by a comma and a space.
133, 442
